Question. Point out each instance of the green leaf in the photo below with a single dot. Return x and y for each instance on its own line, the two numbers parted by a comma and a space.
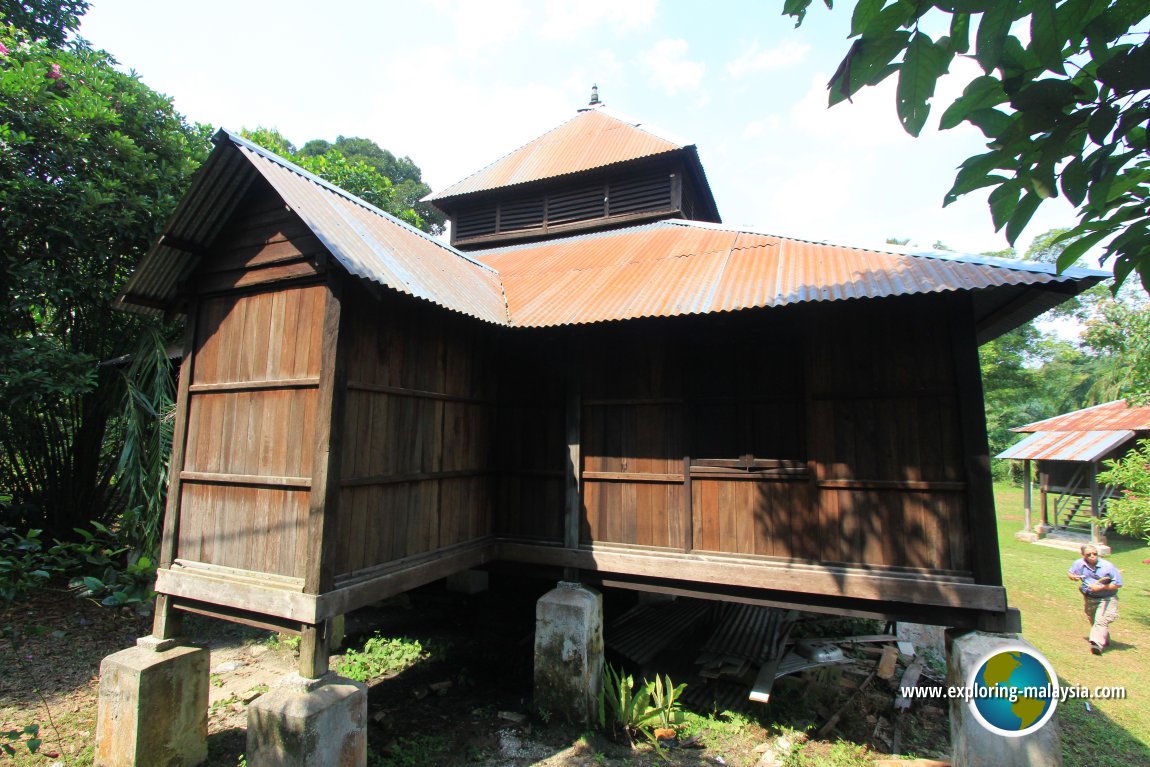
33, 745
796, 8
924, 63
1003, 202
1046, 39
972, 174
960, 33
991, 122
1074, 180
1023, 212
1102, 122
32, 729
1074, 250
992, 32
980, 93
864, 13
867, 63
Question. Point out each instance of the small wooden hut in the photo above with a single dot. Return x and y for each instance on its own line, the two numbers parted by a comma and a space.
612, 390
1070, 451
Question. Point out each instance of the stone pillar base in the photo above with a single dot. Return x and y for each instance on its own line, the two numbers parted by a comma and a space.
314, 722
1028, 537
973, 744
468, 582
569, 652
153, 707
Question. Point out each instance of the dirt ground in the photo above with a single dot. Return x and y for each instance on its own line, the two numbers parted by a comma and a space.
467, 704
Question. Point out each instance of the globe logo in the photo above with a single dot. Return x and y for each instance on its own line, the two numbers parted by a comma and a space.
1013, 691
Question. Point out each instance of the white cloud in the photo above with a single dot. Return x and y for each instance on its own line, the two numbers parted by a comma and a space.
566, 20
667, 67
753, 60
482, 26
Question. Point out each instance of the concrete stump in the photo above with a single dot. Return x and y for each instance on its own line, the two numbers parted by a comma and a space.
569, 652
468, 582
314, 722
153, 708
973, 743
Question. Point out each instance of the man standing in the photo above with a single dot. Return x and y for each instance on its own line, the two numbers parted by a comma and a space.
1099, 581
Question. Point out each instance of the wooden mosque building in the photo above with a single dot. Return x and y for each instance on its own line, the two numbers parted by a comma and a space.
596, 379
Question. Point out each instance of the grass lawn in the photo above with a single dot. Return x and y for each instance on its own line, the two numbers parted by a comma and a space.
1116, 733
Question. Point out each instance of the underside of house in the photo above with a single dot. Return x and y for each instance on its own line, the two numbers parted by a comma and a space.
597, 381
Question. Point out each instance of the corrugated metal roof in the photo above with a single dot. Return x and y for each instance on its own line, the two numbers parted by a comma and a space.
674, 268
1108, 416
665, 269
1067, 445
366, 241
594, 138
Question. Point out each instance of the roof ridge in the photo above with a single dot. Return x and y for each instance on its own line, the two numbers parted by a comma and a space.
664, 136
271, 156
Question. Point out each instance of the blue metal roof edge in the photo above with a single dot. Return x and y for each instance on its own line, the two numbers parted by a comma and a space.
273, 157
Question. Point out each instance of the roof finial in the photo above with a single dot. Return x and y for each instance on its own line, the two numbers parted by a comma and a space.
594, 95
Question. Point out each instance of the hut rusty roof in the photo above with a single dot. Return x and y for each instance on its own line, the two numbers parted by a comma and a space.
665, 269
1109, 416
1081, 446
594, 138
678, 267
366, 241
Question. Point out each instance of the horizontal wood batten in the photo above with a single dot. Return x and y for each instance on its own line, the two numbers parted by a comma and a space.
353, 590
631, 476
255, 592
237, 386
284, 270
854, 583
647, 401
256, 480
418, 393
392, 479
770, 475
888, 484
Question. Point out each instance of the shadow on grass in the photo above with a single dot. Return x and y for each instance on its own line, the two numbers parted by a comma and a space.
1093, 738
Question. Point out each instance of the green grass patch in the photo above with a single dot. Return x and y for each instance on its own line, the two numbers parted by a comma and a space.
1113, 732
381, 656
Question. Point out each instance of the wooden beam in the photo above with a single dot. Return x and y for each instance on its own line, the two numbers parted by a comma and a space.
265, 598
982, 541
238, 386
254, 480
319, 570
769, 575
418, 393
169, 539
573, 498
631, 476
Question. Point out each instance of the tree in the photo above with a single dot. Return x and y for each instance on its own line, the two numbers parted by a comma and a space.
1129, 510
404, 174
1065, 112
92, 162
47, 20
351, 172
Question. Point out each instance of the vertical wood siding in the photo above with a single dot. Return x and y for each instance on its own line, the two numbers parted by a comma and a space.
416, 473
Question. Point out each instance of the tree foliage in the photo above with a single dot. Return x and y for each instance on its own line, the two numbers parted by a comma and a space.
1066, 111
362, 170
404, 174
47, 20
91, 163
1129, 510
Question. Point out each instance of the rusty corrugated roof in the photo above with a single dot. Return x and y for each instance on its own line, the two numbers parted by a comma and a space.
1109, 416
594, 138
1083, 446
675, 268
665, 269
366, 241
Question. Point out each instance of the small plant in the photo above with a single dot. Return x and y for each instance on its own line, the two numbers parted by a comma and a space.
29, 736
381, 655
283, 642
630, 712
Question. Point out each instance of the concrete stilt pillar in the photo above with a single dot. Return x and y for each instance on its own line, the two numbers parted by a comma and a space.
314, 722
153, 709
569, 652
974, 743
468, 582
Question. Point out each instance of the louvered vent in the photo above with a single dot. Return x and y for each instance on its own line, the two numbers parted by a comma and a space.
640, 194
576, 205
476, 221
525, 213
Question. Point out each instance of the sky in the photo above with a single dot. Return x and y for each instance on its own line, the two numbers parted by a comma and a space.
457, 84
